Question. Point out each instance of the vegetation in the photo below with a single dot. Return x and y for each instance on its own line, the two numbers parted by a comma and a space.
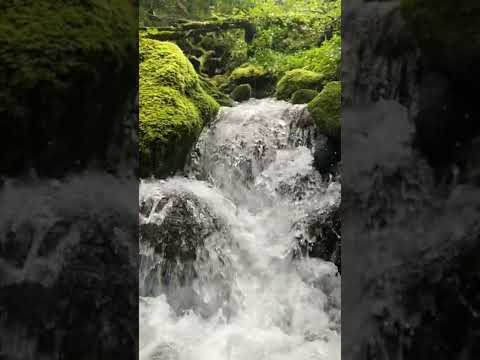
261, 81
296, 80
303, 96
326, 108
173, 106
232, 50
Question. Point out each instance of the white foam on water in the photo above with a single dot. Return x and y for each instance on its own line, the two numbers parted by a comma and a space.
278, 308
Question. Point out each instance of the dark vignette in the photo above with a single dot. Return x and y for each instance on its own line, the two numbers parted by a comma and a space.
410, 145
68, 191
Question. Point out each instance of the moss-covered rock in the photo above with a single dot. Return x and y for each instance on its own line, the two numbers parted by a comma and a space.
447, 33
220, 81
248, 74
214, 91
55, 56
303, 96
326, 110
173, 107
296, 80
261, 80
242, 92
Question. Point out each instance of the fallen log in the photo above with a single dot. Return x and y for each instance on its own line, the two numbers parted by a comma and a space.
187, 29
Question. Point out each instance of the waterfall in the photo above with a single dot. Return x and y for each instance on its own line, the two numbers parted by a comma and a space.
222, 271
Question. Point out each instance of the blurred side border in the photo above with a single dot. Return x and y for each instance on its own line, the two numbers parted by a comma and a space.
410, 153
69, 187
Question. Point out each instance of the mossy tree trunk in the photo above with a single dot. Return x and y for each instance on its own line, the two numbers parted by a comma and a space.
184, 29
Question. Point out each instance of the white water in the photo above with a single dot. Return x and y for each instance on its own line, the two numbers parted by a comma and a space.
277, 308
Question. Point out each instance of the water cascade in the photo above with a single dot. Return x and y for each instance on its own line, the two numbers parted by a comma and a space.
222, 271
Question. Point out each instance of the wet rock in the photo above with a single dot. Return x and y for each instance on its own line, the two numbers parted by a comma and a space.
242, 92
175, 230
146, 206
326, 155
165, 351
178, 226
319, 235
300, 187
302, 130
176, 249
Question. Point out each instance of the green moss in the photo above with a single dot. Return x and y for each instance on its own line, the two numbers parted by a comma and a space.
242, 92
173, 107
261, 80
296, 80
247, 74
46, 40
447, 32
53, 56
220, 81
213, 90
303, 96
326, 109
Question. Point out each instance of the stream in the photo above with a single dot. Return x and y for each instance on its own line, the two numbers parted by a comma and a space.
221, 277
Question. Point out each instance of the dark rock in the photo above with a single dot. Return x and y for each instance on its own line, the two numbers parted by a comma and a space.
242, 93
146, 206
300, 186
326, 155
179, 224
176, 232
319, 235
175, 243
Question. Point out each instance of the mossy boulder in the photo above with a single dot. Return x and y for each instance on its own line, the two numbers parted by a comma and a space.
261, 80
242, 93
67, 67
173, 107
296, 80
447, 33
214, 91
248, 74
326, 110
303, 96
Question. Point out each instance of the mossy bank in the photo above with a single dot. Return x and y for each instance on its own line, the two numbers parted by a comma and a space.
174, 106
326, 110
55, 56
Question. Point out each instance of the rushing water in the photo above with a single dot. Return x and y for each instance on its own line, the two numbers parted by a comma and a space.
242, 295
